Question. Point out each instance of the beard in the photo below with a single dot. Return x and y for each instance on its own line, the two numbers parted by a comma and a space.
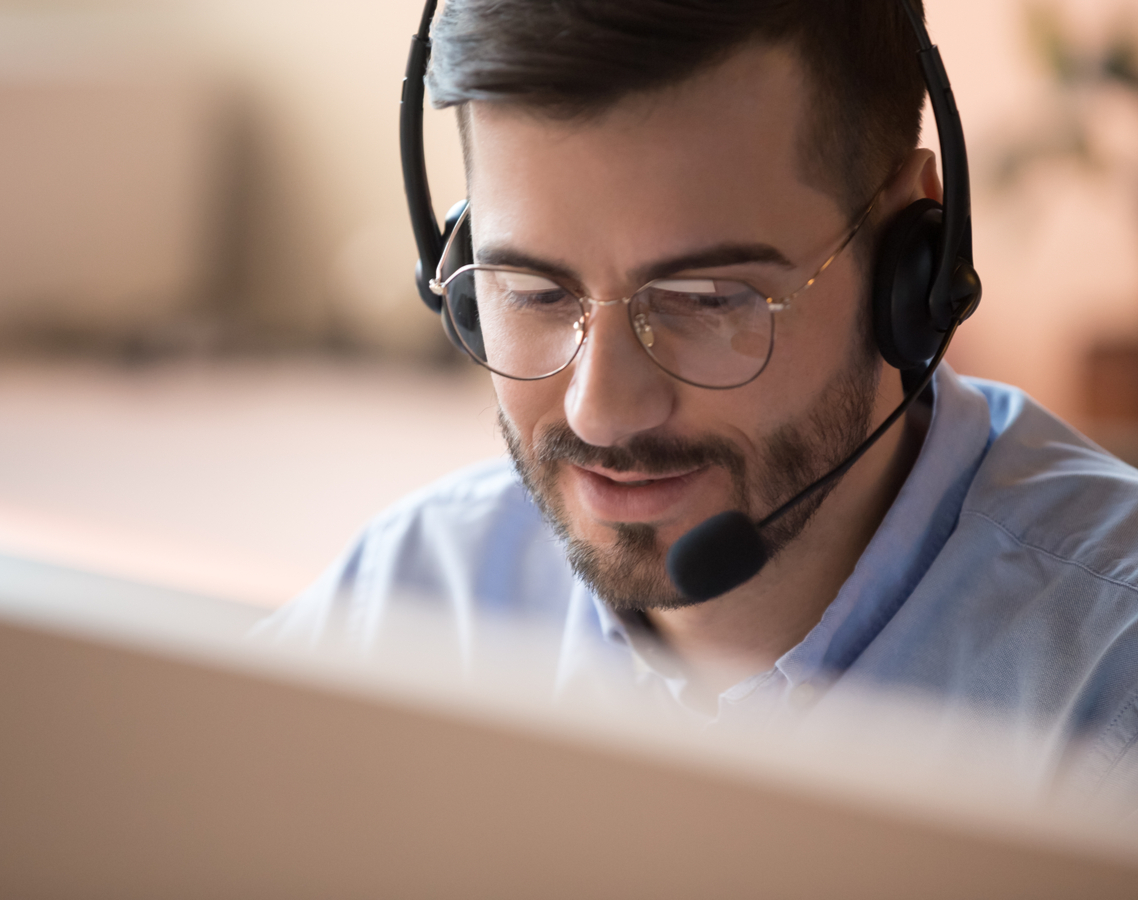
629, 574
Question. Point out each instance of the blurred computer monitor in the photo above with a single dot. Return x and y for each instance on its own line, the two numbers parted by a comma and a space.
148, 748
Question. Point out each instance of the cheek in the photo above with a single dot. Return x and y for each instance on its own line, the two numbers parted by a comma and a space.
530, 405
817, 338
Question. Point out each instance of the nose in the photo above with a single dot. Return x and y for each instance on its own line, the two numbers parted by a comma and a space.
615, 391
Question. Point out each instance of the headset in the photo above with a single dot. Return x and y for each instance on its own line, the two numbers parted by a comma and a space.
924, 286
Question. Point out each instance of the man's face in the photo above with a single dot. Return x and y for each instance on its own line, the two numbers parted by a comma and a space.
620, 455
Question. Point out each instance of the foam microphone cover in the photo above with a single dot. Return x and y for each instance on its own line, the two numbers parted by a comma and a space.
716, 556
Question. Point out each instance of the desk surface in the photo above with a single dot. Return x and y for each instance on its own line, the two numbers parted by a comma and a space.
126, 470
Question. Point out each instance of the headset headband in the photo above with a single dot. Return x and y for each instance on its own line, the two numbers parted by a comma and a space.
955, 239
428, 238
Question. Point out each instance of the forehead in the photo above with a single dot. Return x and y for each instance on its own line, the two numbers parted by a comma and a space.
715, 158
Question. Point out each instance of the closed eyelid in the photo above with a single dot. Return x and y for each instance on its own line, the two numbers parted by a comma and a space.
759, 256
526, 281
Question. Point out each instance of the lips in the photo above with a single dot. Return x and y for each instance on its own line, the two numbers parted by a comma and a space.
632, 496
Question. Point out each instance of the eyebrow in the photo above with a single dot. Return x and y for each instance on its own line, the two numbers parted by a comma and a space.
505, 256
709, 258
715, 257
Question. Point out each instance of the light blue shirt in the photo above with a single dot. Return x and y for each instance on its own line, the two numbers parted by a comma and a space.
1004, 578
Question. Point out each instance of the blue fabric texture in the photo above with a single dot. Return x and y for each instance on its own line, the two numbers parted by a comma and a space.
1004, 578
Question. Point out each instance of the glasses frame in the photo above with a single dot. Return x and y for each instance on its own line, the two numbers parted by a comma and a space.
438, 286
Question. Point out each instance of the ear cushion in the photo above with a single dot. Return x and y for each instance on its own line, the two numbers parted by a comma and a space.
463, 250
461, 254
423, 283
902, 321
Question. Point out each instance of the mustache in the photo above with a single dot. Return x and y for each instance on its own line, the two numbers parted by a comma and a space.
649, 454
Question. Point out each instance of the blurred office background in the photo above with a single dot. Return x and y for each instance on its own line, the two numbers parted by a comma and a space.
213, 365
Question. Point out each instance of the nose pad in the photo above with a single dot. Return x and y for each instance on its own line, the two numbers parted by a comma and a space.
643, 330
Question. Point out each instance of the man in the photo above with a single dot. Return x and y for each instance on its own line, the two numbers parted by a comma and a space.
643, 178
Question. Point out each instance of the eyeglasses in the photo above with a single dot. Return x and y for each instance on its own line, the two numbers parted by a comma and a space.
709, 332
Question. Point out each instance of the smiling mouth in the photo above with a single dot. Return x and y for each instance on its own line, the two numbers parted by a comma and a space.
638, 482
607, 497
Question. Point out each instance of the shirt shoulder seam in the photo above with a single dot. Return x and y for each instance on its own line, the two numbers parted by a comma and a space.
1050, 553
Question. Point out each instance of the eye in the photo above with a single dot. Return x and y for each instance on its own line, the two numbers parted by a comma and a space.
540, 298
677, 296
522, 289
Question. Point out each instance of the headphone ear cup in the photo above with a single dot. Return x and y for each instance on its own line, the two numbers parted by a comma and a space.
462, 251
902, 322
448, 329
423, 283
461, 254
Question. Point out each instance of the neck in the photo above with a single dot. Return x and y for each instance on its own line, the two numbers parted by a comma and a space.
748, 630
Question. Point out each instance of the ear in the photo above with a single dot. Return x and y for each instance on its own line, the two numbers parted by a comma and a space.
906, 260
917, 179
928, 181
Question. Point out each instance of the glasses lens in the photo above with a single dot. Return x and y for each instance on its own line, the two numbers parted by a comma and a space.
707, 331
519, 324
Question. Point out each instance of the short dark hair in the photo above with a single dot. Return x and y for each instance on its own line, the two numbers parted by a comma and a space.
576, 58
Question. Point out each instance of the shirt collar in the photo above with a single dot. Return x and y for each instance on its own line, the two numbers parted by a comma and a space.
904, 546
909, 538
906, 543
633, 629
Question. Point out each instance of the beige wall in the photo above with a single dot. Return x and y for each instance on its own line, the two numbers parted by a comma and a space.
326, 246
319, 243
332, 246
112, 157
1059, 254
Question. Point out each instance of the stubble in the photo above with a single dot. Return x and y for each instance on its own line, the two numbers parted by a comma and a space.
629, 573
